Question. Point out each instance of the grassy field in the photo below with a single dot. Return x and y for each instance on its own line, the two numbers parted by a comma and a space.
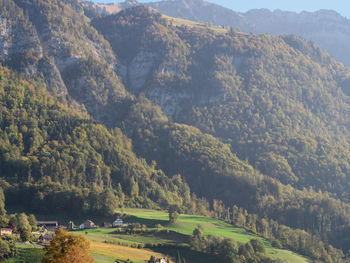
177, 234
109, 235
105, 242
27, 255
103, 252
187, 223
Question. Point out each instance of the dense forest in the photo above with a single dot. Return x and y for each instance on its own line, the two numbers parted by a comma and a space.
279, 134
53, 158
137, 110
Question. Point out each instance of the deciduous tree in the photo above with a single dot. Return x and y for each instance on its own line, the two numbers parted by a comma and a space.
66, 247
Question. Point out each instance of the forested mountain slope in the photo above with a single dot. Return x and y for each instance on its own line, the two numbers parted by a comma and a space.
254, 121
278, 101
55, 158
327, 28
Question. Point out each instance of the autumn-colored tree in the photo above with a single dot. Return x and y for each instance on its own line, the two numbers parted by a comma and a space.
66, 247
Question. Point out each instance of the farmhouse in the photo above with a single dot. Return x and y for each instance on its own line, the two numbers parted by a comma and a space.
5, 231
88, 224
107, 225
161, 260
49, 225
118, 222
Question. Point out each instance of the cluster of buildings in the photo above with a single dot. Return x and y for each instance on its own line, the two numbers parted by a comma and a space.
45, 226
88, 224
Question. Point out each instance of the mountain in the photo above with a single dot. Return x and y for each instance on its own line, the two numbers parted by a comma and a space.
327, 28
251, 92
144, 110
54, 155
223, 82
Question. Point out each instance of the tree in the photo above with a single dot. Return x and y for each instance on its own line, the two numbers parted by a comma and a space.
258, 245
66, 247
32, 221
94, 200
2, 202
109, 202
173, 214
4, 221
4, 248
24, 227
197, 238
228, 250
178, 258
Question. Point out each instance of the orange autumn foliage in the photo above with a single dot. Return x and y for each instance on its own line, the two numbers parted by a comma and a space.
66, 247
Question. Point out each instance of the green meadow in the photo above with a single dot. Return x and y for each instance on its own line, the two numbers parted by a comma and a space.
178, 233
27, 255
187, 223
108, 244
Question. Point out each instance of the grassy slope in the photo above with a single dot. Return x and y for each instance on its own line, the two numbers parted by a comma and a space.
185, 227
108, 252
184, 22
212, 226
177, 234
27, 255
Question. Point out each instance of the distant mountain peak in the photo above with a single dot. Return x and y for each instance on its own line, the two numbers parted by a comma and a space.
131, 1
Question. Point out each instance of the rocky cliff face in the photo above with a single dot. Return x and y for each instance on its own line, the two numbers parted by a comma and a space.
52, 40
19, 43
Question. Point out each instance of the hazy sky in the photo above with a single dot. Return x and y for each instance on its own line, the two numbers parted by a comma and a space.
341, 6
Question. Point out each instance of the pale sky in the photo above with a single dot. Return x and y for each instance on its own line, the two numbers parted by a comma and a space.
341, 6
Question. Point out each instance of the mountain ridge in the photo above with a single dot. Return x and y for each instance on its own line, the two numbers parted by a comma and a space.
327, 28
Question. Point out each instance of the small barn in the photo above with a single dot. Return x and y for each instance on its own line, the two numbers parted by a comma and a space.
106, 225
49, 225
88, 224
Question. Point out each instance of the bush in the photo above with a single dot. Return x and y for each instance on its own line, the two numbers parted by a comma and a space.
276, 243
